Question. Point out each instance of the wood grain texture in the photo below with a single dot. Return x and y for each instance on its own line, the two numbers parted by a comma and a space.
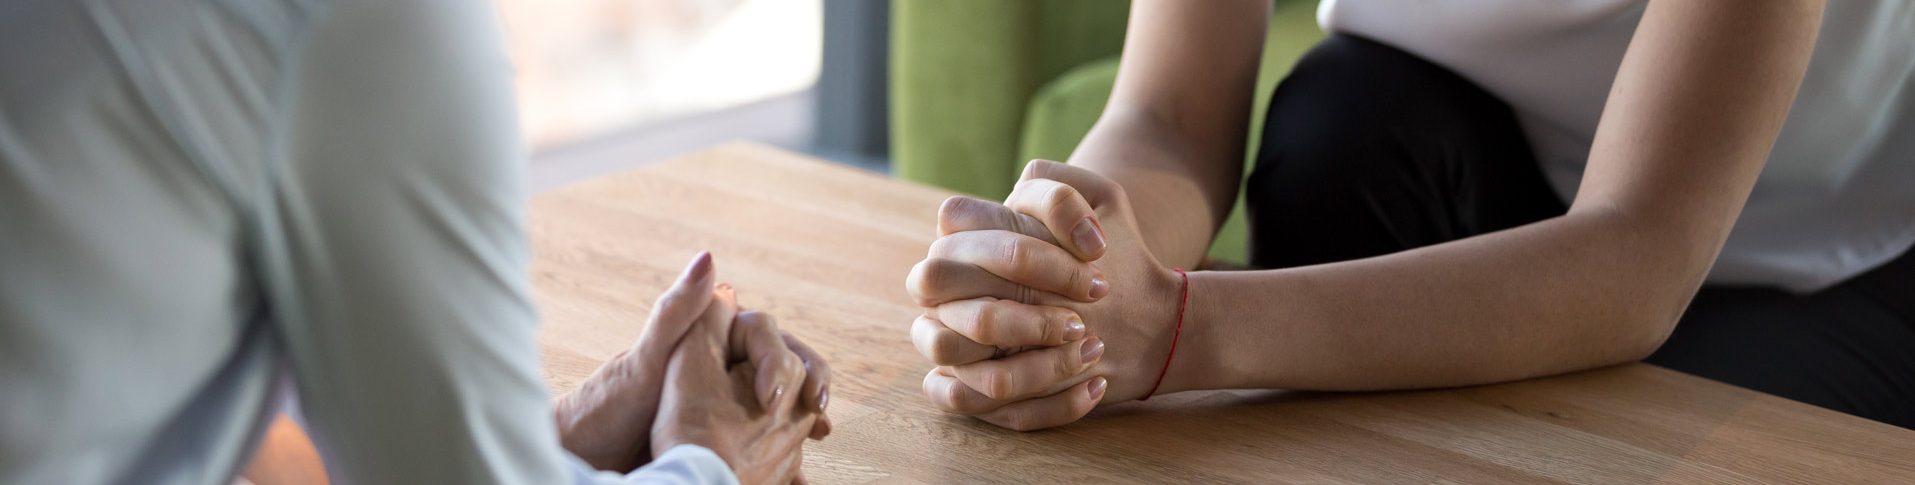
826, 248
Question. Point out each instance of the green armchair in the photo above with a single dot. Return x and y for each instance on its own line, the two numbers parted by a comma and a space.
978, 87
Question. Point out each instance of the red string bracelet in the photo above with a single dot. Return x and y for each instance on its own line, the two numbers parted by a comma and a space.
1183, 305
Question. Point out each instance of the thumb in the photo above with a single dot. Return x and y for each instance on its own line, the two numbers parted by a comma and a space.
678, 308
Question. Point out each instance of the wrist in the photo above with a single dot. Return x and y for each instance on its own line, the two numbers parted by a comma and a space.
1169, 302
1194, 366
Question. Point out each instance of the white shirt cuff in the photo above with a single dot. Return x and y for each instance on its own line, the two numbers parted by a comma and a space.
682, 464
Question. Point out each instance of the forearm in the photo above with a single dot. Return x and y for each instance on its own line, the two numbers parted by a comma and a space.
1697, 104
1173, 133
1575, 292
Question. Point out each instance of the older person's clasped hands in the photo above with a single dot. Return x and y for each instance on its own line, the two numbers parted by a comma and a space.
1041, 308
704, 372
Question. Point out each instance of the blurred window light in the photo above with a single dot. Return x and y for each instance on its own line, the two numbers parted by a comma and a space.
585, 68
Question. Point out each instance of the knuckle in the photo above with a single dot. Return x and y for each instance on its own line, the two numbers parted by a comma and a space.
1077, 281
794, 369
1017, 258
929, 273
1002, 307
1114, 189
960, 213
1055, 319
997, 383
766, 319
1013, 222
752, 322
951, 208
1002, 316
1014, 323
1024, 194
946, 348
941, 246
937, 392
924, 336
1036, 168
1059, 197
924, 280
1022, 188
914, 281
1066, 364
984, 328
1047, 331
951, 398
765, 334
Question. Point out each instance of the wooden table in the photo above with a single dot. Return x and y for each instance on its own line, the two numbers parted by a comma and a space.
825, 248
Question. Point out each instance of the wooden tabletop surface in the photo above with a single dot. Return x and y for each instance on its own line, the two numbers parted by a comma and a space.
825, 248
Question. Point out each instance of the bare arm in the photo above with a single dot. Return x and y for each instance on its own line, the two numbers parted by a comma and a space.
1697, 104
1178, 118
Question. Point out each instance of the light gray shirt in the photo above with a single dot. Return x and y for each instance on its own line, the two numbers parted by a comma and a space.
201, 198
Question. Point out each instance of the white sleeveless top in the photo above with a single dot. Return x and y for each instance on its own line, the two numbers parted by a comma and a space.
1837, 197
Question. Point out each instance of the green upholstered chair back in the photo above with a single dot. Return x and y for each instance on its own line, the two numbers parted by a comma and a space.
979, 87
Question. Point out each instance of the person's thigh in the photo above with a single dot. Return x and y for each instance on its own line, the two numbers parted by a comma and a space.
1369, 150
1839, 348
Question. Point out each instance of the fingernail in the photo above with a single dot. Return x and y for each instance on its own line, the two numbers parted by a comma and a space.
1089, 238
1098, 287
1092, 349
1096, 388
777, 392
699, 268
1073, 330
824, 397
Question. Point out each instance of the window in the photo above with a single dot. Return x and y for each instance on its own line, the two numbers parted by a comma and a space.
589, 68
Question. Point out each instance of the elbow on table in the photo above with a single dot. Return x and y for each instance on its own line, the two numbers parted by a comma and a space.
1648, 338
1619, 340
1657, 265
1644, 330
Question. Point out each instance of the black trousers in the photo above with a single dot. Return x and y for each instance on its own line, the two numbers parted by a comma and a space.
1369, 150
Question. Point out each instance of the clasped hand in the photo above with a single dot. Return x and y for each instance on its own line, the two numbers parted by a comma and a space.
1041, 308
703, 372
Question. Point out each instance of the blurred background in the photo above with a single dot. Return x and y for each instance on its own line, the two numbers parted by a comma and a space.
606, 85
951, 93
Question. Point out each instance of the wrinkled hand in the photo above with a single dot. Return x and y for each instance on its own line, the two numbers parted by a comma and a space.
716, 398
607, 421
1011, 288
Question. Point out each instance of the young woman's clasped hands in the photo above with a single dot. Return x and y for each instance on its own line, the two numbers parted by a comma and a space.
1040, 308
